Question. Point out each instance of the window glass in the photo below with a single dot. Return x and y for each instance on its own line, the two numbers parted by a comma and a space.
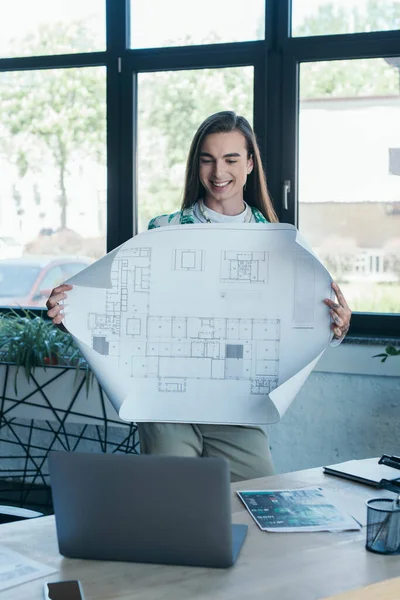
43, 27
324, 17
349, 176
71, 269
171, 107
52, 278
52, 172
16, 280
156, 23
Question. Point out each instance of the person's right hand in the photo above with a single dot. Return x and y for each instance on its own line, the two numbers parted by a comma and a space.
55, 309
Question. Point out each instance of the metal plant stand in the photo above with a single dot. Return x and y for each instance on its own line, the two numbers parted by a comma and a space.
42, 416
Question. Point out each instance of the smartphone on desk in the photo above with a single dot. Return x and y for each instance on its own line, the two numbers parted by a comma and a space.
63, 590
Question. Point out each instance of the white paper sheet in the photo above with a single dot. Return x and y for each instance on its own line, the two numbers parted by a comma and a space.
214, 323
16, 568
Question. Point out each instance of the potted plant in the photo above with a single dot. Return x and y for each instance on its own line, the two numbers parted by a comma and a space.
28, 341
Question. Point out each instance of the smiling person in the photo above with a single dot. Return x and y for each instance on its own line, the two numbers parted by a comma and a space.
224, 180
224, 183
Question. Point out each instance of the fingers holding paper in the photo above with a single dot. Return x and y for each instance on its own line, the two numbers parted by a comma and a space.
340, 313
55, 303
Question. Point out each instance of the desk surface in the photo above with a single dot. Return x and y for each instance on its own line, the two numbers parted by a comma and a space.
383, 590
305, 566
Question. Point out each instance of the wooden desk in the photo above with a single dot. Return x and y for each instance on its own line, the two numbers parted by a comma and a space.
271, 566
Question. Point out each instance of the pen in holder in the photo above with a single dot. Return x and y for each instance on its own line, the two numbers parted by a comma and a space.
383, 525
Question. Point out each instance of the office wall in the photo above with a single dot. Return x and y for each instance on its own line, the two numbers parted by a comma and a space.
348, 408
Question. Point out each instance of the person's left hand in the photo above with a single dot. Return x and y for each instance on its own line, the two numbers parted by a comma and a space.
340, 313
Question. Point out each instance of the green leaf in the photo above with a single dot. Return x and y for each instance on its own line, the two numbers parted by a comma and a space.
28, 340
391, 351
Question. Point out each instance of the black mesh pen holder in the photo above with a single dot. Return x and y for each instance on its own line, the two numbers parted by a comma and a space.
383, 526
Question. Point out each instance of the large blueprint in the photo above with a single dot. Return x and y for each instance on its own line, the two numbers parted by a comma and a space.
203, 323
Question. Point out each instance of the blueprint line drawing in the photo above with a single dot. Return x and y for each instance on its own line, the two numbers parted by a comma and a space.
242, 267
189, 330
197, 348
172, 385
188, 260
208, 348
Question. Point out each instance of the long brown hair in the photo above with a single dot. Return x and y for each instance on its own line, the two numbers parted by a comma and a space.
256, 193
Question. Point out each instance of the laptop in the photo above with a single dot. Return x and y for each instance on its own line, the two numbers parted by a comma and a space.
144, 508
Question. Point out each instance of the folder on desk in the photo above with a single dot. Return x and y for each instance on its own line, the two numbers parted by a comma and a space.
366, 471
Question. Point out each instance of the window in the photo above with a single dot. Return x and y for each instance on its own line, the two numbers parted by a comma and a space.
327, 17
100, 100
156, 23
46, 27
16, 280
52, 165
53, 277
71, 269
349, 120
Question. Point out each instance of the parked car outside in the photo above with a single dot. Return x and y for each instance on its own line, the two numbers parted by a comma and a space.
28, 281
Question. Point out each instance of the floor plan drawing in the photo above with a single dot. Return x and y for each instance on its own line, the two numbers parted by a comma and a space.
175, 349
203, 324
103, 323
242, 267
130, 274
188, 260
132, 270
208, 348
172, 385
263, 385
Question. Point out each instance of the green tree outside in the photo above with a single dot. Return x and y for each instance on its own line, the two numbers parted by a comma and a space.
331, 18
56, 116
349, 78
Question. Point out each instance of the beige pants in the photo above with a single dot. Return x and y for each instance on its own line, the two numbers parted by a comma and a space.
246, 448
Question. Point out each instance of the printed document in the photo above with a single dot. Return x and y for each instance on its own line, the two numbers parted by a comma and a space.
16, 569
299, 510
210, 323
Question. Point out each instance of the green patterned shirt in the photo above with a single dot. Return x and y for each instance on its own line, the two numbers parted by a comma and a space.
186, 217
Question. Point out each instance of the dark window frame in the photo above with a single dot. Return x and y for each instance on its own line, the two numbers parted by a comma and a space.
293, 52
276, 63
